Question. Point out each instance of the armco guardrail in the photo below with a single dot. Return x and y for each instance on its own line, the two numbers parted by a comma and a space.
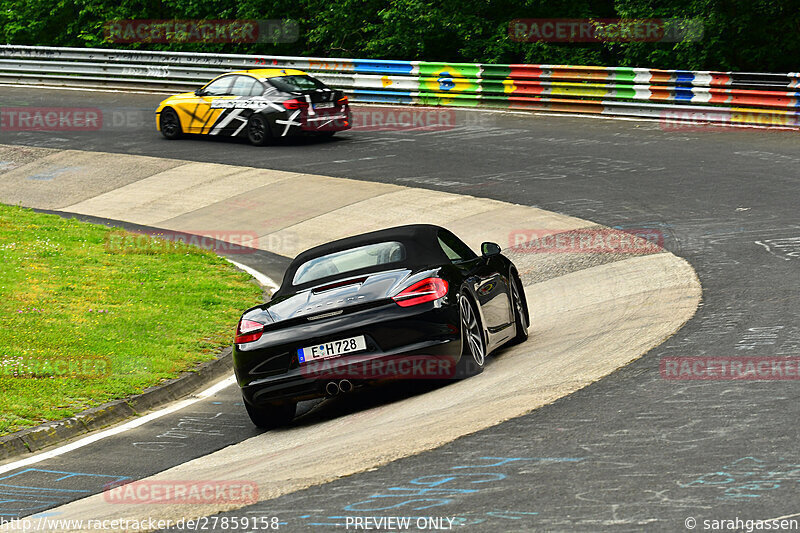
716, 97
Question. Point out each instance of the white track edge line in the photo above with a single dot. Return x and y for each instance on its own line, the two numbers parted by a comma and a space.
263, 279
210, 391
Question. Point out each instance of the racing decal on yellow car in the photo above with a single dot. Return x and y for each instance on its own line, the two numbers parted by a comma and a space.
239, 110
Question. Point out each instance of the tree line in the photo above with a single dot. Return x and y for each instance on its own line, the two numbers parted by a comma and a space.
738, 35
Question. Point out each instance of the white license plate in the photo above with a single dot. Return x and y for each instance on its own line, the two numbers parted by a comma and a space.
323, 105
332, 349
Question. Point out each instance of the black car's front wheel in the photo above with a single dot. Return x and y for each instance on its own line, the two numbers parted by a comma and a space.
473, 352
271, 416
520, 308
170, 124
258, 131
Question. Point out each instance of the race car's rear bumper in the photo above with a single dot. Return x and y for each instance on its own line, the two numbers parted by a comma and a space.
411, 343
335, 120
431, 360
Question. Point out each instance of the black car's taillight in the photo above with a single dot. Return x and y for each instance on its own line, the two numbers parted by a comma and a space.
248, 331
427, 290
294, 103
342, 100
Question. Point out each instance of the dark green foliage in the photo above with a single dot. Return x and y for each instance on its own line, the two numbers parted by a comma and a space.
745, 35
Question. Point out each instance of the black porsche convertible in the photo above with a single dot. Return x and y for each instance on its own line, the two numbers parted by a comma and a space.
410, 302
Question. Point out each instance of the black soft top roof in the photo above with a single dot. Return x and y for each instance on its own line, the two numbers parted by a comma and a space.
420, 240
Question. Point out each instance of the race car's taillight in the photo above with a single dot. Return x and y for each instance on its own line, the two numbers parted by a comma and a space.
248, 331
294, 103
427, 290
342, 100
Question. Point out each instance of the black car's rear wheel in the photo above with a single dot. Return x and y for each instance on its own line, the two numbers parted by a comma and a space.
258, 131
271, 416
170, 124
520, 307
473, 352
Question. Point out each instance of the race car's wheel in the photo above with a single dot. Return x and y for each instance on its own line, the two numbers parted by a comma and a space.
258, 131
473, 351
520, 307
271, 416
170, 124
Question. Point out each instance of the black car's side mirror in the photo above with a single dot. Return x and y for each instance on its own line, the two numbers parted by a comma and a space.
490, 249
199, 92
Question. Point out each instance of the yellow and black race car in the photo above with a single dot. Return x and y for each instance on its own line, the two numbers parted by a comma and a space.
258, 104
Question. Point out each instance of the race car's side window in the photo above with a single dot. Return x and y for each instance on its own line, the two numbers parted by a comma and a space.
257, 89
454, 248
219, 87
246, 86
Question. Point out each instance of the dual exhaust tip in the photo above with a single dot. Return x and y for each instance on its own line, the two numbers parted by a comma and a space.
332, 388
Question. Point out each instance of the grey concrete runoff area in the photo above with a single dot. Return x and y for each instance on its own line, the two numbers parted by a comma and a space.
579, 429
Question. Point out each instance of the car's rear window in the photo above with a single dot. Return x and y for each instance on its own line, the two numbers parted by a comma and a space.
382, 253
296, 84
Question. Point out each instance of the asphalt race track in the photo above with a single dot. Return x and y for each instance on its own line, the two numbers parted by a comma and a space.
632, 451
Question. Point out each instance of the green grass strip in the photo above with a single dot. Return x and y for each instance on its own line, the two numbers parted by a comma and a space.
87, 316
